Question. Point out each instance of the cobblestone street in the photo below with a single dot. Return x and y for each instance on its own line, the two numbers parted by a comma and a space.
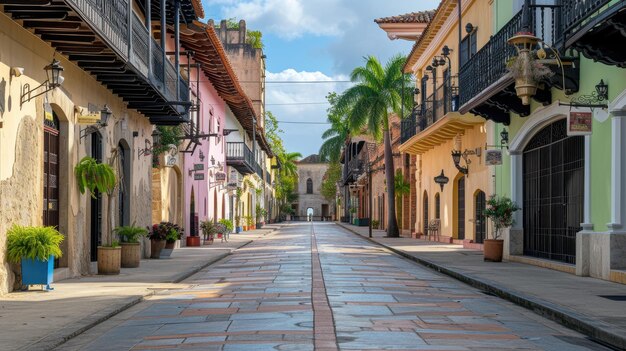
318, 287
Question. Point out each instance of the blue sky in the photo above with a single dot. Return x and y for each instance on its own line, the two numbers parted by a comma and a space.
314, 40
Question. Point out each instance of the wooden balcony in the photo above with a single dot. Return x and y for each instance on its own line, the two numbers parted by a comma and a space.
108, 40
238, 155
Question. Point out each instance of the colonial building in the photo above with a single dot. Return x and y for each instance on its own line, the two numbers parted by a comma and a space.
75, 85
570, 187
311, 204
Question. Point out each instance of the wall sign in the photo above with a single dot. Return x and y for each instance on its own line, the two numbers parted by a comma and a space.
579, 123
493, 157
220, 177
198, 176
198, 167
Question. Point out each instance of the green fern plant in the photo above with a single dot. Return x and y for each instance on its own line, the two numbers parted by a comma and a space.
33, 243
94, 176
130, 233
227, 223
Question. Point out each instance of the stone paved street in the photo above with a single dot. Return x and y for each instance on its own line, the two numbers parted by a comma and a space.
318, 287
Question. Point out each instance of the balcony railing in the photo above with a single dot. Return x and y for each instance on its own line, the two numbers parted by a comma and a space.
436, 106
576, 12
126, 34
488, 65
238, 155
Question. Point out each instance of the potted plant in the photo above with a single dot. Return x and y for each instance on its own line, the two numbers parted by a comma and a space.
260, 216
174, 233
36, 248
100, 177
527, 71
250, 222
129, 242
238, 228
208, 231
500, 210
375, 224
157, 240
228, 228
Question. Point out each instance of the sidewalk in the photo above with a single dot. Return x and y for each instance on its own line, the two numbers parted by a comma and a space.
576, 302
36, 320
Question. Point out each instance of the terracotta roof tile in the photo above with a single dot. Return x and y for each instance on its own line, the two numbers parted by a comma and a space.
413, 17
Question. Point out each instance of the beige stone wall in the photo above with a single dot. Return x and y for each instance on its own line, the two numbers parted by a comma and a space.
21, 147
314, 171
430, 165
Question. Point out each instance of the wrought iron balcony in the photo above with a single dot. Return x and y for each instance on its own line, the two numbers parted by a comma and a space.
436, 106
108, 40
239, 156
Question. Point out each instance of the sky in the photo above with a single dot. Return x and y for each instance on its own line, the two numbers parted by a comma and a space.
314, 40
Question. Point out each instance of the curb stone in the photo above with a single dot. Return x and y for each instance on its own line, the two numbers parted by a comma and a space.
76, 328
595, 329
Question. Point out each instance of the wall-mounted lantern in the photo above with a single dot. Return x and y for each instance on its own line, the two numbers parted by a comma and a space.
54, 80
149, 146
441, 180
457, 155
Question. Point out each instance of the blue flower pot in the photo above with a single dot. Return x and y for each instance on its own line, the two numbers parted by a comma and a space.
238, 230
36, 272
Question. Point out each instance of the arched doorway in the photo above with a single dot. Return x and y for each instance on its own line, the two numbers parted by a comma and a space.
124, 177
309, 214
480, 203
95, 202
51, 174
553, 183
460, 208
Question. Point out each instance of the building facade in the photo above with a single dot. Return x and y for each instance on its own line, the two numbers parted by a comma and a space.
311, 204
48, 124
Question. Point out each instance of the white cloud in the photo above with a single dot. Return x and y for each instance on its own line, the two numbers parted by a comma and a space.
290, 102
293, 18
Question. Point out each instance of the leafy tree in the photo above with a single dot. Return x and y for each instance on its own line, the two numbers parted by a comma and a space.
329, 182
402, 187
288, 161
368, 105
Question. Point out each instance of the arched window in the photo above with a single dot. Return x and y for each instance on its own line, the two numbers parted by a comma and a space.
309, 186
437, 206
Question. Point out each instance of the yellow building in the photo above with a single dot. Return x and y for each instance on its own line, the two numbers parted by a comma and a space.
450, 191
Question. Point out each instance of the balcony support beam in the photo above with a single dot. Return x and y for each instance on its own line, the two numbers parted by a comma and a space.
177, 46
149, 28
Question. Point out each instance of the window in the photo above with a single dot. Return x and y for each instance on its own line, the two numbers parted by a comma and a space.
468, 47
309, 186
437, 206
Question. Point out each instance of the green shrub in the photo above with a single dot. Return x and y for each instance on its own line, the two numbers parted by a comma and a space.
130, 233
33, 243
227, 223
375, 224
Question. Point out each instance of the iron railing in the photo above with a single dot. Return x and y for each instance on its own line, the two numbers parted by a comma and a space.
575, 13
548, 22
434, 108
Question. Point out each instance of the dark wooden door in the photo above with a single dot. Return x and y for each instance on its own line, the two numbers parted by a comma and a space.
461, 208
51, 175
479, 218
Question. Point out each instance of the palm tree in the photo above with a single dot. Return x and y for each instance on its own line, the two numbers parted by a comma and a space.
334, 139
378, 92
288, 160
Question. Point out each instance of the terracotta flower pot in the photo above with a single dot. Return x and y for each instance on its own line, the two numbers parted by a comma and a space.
193, 241
131, 255
155, 248
109, 260
493, 250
